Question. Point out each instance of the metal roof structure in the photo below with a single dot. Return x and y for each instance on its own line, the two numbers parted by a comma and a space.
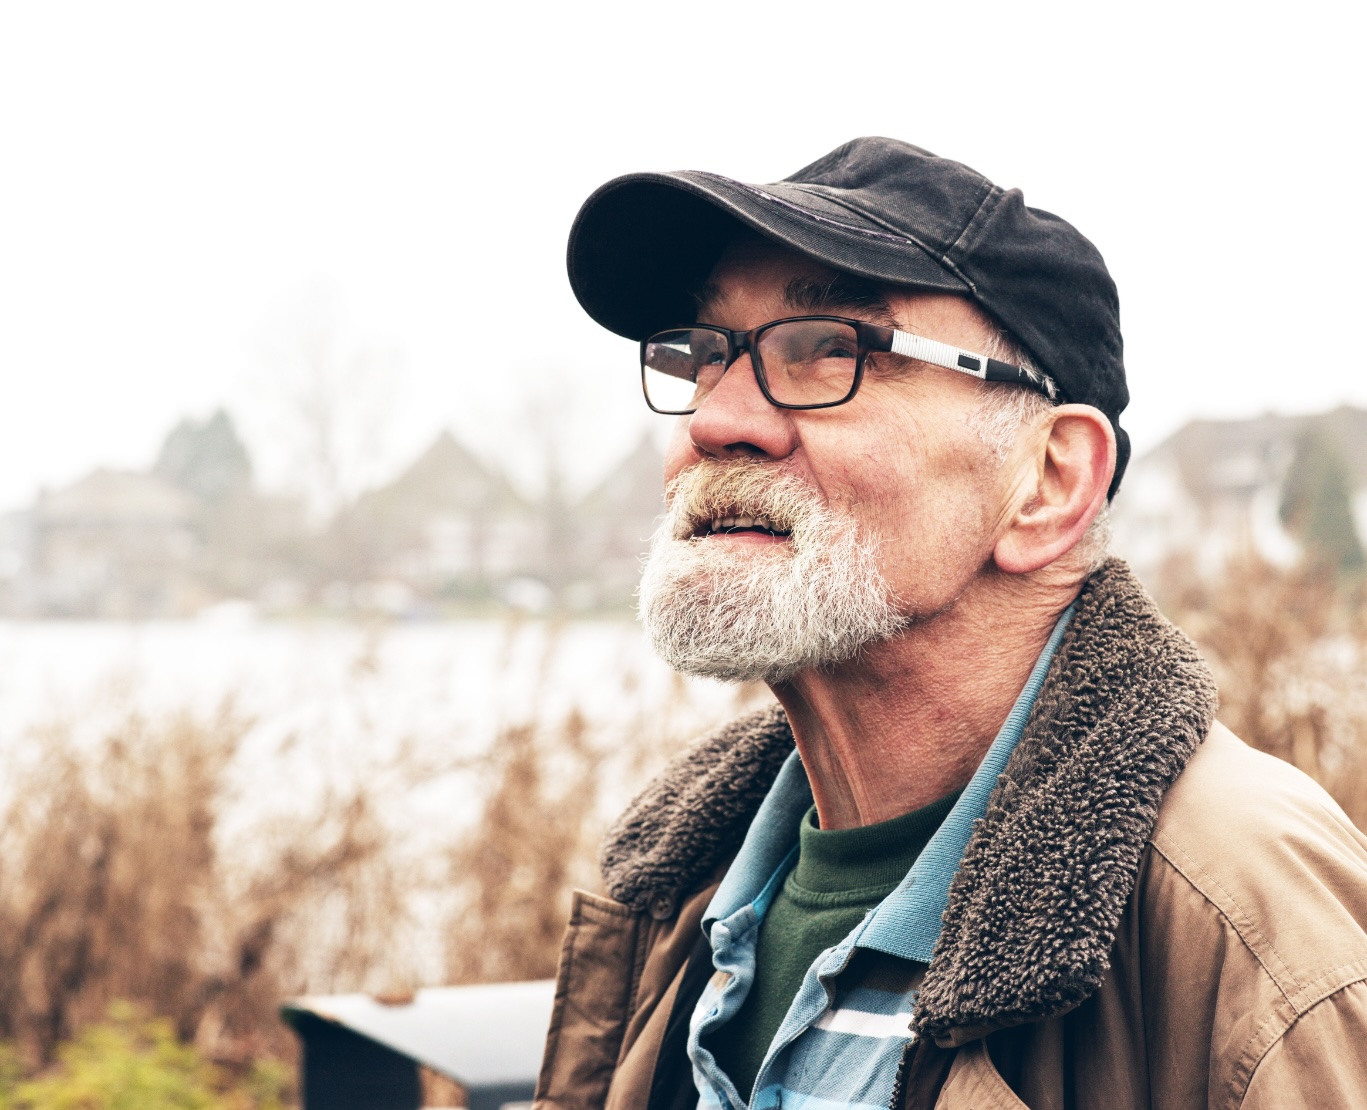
363, 1054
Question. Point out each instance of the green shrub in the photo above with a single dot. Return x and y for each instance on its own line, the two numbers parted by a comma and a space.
131, 1062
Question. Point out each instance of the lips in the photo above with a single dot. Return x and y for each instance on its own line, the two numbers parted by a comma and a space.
739, 498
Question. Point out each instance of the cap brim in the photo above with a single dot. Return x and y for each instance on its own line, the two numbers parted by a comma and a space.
643, 244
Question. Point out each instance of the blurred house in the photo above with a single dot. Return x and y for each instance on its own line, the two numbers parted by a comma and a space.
612, 526
448, 527
1277, 486
451, 529
449, 534
114, 544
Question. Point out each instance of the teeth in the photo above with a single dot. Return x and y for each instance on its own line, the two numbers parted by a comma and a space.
722, 523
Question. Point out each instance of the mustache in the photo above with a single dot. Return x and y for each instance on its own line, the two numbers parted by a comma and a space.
768, 613
712, 488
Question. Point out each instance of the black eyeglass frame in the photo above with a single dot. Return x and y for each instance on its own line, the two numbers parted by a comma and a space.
871, 338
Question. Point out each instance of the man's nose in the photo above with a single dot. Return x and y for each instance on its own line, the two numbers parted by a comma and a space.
737, 419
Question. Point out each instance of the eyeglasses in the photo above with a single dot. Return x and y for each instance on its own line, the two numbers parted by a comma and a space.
803, 362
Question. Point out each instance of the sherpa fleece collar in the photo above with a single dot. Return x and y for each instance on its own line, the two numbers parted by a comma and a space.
1034, 908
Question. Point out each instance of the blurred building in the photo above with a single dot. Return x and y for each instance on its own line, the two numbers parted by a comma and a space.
613, 523
450, 534
114, 544
448, 527
1276, 486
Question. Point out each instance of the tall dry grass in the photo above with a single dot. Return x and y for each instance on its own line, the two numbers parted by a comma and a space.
549, 790
175, 864
1289, 650
115, 885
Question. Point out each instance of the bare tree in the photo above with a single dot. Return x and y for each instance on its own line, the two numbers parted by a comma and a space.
335, 398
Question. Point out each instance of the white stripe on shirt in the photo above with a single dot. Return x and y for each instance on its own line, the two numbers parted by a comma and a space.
862, 1024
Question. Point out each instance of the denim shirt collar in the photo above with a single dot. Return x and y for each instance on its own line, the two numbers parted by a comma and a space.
907, 922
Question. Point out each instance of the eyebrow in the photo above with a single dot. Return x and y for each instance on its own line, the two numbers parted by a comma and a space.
819, 296
839, 291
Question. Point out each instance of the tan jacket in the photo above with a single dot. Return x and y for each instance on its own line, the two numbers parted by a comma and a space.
1141, 919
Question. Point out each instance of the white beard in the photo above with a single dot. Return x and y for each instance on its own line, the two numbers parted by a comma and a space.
760, 611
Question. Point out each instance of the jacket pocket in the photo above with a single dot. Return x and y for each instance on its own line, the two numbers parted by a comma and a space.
974, 1083
592, 995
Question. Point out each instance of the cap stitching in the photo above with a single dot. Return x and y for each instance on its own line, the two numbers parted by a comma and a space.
939, 257
994, 194
815, 217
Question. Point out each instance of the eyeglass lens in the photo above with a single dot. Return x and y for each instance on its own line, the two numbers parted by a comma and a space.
804, 362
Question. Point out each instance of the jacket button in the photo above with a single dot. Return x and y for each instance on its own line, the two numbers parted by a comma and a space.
661, 905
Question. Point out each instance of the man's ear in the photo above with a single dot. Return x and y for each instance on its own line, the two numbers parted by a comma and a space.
1073, 459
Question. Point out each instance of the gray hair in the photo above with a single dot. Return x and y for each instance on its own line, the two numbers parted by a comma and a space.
1006, 408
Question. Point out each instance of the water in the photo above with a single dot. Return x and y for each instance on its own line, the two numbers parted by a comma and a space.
343, 699
453, 677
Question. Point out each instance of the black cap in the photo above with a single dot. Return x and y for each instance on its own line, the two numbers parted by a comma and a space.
878, 208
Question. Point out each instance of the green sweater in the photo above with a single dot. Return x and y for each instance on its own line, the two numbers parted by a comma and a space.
839, 876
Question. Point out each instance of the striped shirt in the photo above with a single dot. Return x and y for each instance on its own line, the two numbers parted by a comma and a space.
841, 1043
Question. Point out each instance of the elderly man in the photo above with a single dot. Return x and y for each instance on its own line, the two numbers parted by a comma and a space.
990, 849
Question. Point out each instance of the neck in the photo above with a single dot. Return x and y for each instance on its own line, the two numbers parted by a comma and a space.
909, 719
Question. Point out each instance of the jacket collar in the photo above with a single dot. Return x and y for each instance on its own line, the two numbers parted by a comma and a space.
1034, 908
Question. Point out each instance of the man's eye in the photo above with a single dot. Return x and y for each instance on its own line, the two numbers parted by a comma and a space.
834, 349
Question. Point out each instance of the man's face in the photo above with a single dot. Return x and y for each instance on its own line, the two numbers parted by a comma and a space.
900, 465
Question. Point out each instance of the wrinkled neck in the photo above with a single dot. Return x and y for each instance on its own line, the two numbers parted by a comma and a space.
909, 720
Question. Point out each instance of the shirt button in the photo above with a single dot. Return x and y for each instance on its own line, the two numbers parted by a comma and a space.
661, 905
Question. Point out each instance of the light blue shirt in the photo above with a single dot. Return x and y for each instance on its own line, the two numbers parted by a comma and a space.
836, 1048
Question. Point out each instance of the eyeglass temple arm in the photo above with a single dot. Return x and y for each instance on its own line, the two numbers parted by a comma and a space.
965, 362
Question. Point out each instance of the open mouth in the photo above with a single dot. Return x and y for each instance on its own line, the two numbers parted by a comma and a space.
735, 525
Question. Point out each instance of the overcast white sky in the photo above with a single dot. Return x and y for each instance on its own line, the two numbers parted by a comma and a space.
181, 182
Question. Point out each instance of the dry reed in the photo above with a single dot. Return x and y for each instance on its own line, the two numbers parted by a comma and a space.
116, 886
141, 862
1289, 651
